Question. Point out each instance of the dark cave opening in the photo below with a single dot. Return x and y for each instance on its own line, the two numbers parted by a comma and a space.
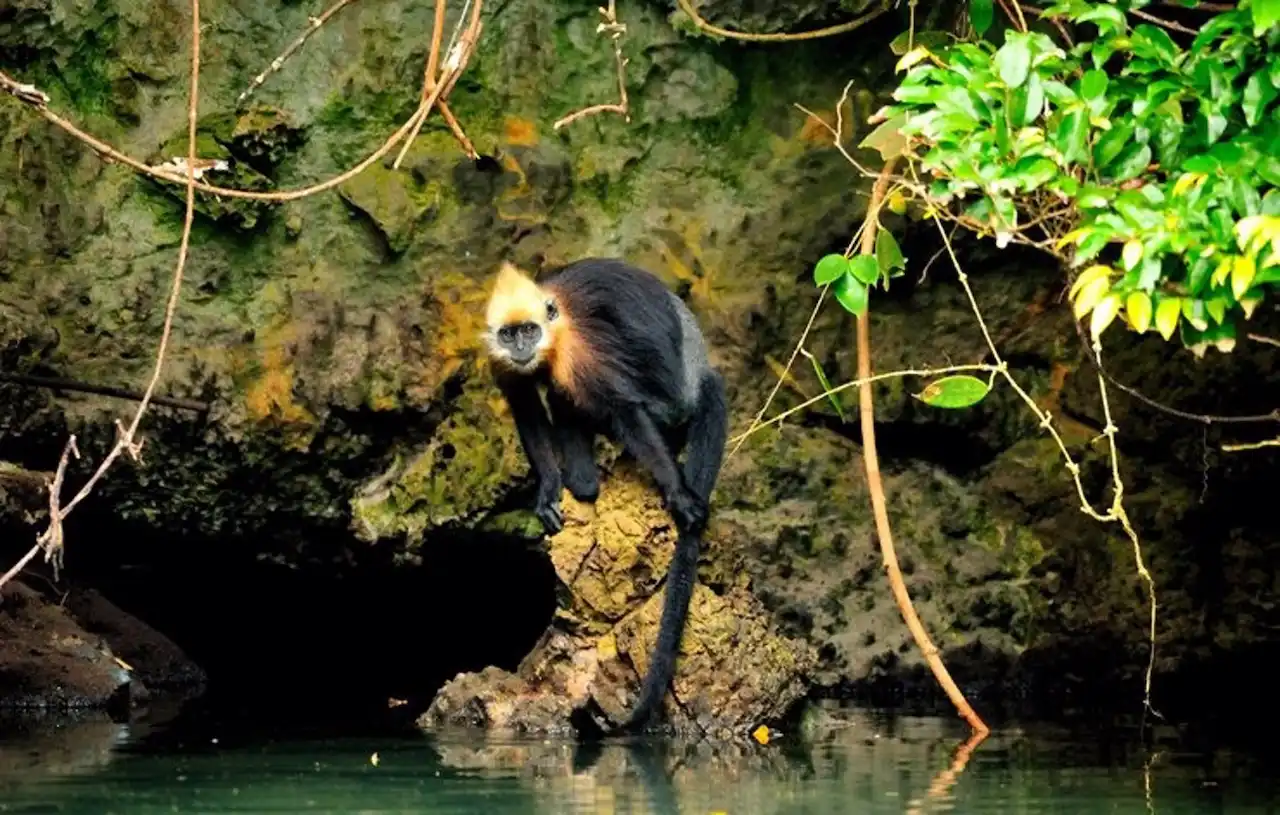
320, 649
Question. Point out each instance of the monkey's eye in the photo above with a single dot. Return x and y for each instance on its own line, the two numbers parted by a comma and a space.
552, 311
506, 333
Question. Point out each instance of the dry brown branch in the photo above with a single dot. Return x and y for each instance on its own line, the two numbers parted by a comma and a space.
51, 540
879, 506
1169, 24
314, 25
39, 101
615, 31
1265, 340
831, 31
54, 383
455, 63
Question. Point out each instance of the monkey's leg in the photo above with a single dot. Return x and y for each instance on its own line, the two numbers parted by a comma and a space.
706, 436
576, 440
535, 434
642, 439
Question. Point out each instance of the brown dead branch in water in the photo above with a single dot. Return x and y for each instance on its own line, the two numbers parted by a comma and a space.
615, 31
884, 532
831, 31
51, 540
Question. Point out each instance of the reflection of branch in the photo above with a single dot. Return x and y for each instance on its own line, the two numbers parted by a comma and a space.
831, 31
615, 30
278, 62
51, 539
945, 780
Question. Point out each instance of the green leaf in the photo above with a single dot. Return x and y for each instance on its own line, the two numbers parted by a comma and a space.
1028, 100
1034, 171
1013, 60
1258, 93
852, 294
981, 14
834, 398
1131, 162
1111, 143
865, 268
1093, 84
1132, 253
958, 391
829, 269
888, 253
1266, 13
1072, 136
1168, 310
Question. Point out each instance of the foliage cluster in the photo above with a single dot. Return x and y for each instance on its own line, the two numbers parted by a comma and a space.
1150, 166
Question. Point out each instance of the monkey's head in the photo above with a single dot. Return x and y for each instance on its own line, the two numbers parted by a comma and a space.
523, 319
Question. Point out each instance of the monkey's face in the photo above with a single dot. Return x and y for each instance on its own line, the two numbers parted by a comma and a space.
523, 344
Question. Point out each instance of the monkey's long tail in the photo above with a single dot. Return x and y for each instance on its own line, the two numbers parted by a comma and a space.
675, 609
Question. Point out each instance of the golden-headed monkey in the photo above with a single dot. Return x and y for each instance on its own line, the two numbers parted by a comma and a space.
621, 355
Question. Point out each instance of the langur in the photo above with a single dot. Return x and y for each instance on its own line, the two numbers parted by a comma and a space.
619, 355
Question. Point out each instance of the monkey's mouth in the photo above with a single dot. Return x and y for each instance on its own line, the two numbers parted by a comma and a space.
523, 363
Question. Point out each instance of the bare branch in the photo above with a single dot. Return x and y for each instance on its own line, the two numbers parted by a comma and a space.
831, 31
615, 31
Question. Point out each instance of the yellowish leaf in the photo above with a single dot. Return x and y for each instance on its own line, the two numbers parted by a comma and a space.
910, 58
1223, 271
1132, 253
1086, 277
1104, 314
1186, 181
1167, 312
897, 203
761, 734
1138, 306
1072, 236
1248, 305
1090, 295
1242, 274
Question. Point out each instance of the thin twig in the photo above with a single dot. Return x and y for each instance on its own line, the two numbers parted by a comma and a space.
1265, 340
1255, 445
831, 31
1169, 24
54, 383
615, 30
314, 25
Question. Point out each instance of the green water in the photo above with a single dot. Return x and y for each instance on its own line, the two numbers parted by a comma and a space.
865, 763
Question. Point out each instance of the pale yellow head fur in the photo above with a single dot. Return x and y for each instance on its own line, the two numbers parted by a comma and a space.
517, 299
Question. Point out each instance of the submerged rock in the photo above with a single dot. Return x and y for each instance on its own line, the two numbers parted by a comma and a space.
735, 669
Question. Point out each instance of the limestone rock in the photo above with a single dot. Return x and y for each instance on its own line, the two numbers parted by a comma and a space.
735, 670
154, 658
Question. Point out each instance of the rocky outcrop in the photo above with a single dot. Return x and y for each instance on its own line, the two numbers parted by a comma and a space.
80, 655
735, 671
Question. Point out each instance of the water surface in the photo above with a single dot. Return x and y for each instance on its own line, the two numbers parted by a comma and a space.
859, 763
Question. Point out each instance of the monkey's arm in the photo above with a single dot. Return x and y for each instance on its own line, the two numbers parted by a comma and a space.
575, 438
535, 434
641, 437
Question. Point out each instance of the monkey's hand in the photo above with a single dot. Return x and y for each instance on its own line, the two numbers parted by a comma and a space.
547, 506
689, 511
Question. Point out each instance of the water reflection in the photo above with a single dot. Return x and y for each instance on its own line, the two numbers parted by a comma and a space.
843, 761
